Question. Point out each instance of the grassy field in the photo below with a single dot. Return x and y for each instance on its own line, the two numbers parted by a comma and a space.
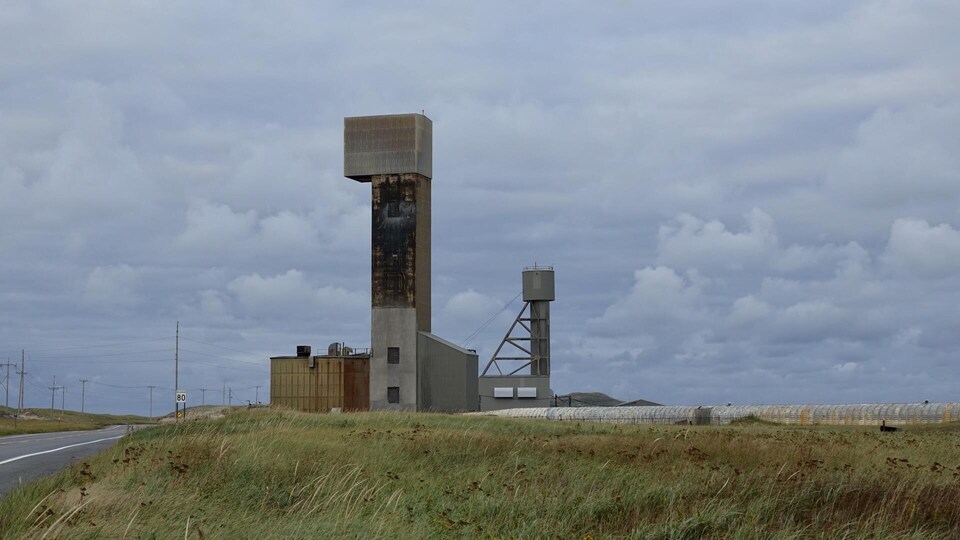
47, 420
270, 474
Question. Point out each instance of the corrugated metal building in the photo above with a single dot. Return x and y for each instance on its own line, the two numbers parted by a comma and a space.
339, 380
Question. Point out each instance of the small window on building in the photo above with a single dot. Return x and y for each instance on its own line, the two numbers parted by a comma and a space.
393, 394
393, 355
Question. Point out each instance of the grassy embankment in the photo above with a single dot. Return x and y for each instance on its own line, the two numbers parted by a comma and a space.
47, 420
269, 474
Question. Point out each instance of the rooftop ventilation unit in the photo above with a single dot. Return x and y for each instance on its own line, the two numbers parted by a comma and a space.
303, 351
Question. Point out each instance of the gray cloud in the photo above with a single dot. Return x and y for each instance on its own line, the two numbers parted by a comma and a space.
744, 202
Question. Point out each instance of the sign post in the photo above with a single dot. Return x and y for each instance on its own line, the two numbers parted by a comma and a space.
181, 398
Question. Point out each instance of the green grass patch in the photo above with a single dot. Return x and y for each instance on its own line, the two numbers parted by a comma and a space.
272, 474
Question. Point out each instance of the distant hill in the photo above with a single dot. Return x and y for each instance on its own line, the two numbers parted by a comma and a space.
598, 399
591, 399
639, 403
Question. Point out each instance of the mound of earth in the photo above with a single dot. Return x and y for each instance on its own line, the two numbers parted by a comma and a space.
203, 411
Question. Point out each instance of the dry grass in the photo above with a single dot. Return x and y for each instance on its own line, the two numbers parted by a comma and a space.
48, 420
276, 474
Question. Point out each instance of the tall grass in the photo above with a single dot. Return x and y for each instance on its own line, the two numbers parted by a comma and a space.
273, 474
48, 420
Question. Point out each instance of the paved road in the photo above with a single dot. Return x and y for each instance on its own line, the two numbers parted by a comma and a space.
25, 457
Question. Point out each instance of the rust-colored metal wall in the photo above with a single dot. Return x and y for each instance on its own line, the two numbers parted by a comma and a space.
356, 384
330, 383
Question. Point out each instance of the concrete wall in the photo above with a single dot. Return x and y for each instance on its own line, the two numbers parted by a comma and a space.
448, 375
400, 284
393, 327
423, 281
487, 385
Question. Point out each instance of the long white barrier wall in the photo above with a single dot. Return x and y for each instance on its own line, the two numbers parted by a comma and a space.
855, 415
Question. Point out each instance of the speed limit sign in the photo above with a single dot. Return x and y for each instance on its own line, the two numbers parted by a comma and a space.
181, 397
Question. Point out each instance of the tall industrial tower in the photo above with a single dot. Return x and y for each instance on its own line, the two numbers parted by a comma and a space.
410, 368
518, 374
394, 154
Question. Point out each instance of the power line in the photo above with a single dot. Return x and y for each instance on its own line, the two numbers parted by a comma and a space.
35, 382
490, 320
114, 344
85, 362
227, 367
221, 357
126, 387
129, 353
220, 346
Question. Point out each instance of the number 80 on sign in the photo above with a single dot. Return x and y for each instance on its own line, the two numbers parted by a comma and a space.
181, 397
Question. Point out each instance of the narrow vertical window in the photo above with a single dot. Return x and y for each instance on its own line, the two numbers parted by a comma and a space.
393, 355
393, 394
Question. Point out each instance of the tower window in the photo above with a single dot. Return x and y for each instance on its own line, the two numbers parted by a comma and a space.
393, 394
393, 355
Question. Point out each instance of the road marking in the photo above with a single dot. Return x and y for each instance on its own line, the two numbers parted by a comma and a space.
4, 462
37, 437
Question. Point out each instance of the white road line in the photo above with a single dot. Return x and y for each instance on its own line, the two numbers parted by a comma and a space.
37, 437
4, 462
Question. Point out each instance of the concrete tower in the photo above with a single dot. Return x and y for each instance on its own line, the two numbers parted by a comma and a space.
394, 154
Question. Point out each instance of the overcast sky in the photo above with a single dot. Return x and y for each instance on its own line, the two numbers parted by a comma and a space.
747, 202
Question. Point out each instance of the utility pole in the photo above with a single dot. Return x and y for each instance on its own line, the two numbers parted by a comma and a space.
223, 394
6, 385
151, 402
203, 396
83, 391
63, 399
176, 375
20, 401
257, 398
53, 392
230, 396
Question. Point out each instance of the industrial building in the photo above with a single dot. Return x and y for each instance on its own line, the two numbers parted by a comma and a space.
522, 360
408, 367
338, 380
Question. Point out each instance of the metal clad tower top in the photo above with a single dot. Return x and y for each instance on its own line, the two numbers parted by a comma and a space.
388, 144
538, 284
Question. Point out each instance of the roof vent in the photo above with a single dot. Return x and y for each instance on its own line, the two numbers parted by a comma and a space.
303, 351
